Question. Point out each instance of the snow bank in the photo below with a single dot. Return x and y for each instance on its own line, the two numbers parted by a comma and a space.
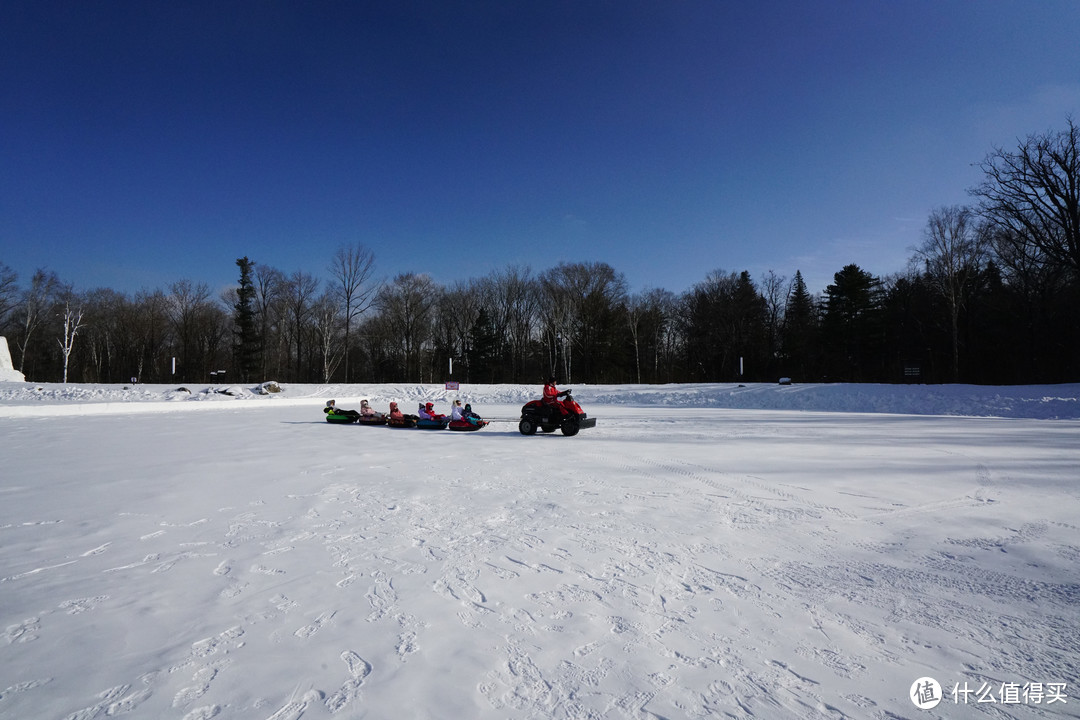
1047, 402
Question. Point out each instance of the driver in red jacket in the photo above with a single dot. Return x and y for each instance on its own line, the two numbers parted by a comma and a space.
552, 394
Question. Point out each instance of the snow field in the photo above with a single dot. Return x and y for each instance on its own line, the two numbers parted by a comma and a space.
675, 561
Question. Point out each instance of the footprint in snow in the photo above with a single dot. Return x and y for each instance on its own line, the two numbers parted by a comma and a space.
24, 632
200, 685
314, 627
81, 605
24, 687
203, 713
294, 709
359, 668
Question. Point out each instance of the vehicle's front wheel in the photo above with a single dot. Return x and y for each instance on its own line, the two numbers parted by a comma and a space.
570, 427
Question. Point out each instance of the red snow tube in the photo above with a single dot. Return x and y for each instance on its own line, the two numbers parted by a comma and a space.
465, 426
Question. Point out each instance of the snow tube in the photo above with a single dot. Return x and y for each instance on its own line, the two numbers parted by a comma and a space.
409, 421
464, 426
371, 420
432, 424
337, 419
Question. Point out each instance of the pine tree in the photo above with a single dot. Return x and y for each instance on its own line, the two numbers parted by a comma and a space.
799, 334
749, 328
852, 325
247, 345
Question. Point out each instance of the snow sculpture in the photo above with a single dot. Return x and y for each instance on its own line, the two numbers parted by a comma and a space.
8, 373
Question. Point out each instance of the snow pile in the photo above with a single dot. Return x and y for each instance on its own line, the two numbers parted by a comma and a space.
8, 373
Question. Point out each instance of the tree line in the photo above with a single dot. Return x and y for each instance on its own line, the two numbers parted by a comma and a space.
989, 296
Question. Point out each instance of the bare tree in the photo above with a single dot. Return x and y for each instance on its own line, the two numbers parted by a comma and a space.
72, 320
101, 313
666, 338
186, 301
36, 301
558, 317
455, 316
212, 329
352, 268
150, 318
636, 308
1033, 194
579, 303
9, 293
515, 301
328, 329
648, 316
269, 285
405, 306
774, 288
954, 253
298, 294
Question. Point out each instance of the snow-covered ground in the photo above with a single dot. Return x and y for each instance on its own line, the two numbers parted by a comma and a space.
705, 551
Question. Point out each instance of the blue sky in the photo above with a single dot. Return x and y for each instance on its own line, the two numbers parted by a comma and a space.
144, 143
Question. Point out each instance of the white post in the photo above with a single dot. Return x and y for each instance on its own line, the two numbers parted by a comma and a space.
174, 366
740, 366
451, 366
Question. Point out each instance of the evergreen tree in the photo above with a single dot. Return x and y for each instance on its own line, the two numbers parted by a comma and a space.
913, 311
799, 334
749, 329
246, 334
852, 327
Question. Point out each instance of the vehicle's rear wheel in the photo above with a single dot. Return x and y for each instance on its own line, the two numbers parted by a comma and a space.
526, 427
